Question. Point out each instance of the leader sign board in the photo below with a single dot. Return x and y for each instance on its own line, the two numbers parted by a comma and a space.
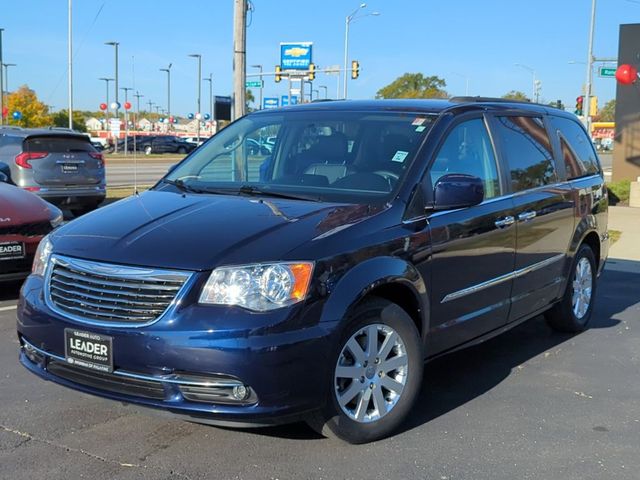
295, 55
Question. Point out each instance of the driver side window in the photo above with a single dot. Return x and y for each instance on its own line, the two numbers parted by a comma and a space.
468, 150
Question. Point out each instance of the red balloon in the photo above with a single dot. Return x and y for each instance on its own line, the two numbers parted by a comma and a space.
103, 106
627, 74
127, 105
5, 111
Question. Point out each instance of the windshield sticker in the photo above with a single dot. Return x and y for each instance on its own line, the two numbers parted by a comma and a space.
400, 156
421, 128
418, 121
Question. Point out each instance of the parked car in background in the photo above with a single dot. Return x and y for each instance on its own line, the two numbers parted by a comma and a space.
59, 165
168, 144
313, 282
24, 220
195, 140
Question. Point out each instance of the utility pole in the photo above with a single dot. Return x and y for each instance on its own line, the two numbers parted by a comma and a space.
106, 112
6, 75
239, 57
138, 96
587, 92
70, 60
1, 83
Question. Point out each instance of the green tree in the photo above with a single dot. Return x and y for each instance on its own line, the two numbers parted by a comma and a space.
608, 112
249, 99
34, 112
414, 85
516, 95
61, 119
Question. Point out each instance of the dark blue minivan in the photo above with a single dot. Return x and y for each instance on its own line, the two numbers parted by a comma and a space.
312, 280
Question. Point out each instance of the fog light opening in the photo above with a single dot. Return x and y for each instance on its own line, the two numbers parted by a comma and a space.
240, 392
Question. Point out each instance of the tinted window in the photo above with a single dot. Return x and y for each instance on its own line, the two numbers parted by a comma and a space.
467, 149
58, 144
577, 152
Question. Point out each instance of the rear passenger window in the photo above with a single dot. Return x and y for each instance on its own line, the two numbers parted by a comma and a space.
577, 151
526, 145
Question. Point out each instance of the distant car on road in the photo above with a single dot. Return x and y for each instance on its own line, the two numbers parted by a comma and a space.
195, 140
59, 165
24, 220
168, 144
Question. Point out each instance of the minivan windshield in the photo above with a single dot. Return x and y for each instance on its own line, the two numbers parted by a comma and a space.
334, 156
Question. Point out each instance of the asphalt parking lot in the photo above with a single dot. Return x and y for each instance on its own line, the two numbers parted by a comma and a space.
531, 404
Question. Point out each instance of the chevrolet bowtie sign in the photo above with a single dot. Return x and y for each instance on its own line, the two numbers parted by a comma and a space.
295, 56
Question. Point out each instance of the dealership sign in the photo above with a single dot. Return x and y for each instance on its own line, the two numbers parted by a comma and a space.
295, 56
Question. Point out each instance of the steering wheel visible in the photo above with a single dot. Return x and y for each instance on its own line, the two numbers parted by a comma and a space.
389, 176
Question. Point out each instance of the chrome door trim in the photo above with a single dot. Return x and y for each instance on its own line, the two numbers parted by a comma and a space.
503, 278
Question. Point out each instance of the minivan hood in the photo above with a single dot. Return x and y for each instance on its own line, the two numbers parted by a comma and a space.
18, 207
199, 231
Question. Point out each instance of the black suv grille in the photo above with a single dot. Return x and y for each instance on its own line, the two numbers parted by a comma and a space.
27, 229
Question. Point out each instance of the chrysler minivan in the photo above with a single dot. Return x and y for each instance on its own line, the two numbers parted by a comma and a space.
314, 280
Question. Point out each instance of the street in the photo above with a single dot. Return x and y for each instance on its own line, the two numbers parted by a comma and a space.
529, 404
122, 171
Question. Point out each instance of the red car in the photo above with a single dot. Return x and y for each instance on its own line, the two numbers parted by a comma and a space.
24, 220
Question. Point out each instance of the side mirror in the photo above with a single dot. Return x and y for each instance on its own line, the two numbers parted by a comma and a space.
5, 173
457, 190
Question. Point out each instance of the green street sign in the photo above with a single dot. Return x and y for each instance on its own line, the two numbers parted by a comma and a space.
607, 72
253, 84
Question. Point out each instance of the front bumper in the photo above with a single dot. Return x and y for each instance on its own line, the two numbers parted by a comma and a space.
281, 359
71, 197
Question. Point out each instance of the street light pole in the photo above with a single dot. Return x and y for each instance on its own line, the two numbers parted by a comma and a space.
347, 22
210, 80
199, 57
534, 90
70, 68
239, 58
126, 119
117, 109
107, 114
261, 85
325, 90
138, 96
587, 92
168, 70
6, 75
1, 83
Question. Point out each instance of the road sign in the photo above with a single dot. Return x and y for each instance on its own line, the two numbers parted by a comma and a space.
295, 56
607, 72
254, 84
114, 126
285, 100
294, 99
270, 102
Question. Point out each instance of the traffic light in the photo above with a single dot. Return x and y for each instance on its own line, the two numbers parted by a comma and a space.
312, 72
355, 69
579, 105
593, 106
278, 76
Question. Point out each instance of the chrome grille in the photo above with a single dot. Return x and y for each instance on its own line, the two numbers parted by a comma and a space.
102, 293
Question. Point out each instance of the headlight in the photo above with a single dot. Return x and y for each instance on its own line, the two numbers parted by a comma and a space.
259, 287
41, 259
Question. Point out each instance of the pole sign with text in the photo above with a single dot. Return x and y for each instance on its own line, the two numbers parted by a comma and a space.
253, 84
270, 102
295, 56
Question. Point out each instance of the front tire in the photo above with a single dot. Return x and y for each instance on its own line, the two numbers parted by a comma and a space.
573, 313
375, 377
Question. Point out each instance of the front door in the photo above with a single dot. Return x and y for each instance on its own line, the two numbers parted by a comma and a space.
473, 248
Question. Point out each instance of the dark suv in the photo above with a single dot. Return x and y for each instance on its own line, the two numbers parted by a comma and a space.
312, 281
59, 165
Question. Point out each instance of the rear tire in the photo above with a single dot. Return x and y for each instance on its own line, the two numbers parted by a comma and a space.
573, 313
372, 386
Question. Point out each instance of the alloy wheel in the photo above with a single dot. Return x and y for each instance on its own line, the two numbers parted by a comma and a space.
582, 288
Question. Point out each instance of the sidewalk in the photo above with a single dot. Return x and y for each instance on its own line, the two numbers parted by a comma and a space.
624, 255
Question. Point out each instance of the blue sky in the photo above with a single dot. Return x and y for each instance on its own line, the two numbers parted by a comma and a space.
452, 39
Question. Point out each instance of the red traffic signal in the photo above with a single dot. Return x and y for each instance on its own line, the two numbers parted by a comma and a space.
626, 74
580, 100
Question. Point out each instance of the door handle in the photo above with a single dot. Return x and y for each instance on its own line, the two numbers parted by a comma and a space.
505, 222
526, 216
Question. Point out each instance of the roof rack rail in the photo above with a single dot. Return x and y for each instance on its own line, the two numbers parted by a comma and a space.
490, 99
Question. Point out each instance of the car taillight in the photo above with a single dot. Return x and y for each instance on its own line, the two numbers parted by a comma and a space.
22, 159
99, 157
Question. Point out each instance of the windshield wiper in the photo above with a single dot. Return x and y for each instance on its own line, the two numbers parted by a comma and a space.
253, 190
183, 187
